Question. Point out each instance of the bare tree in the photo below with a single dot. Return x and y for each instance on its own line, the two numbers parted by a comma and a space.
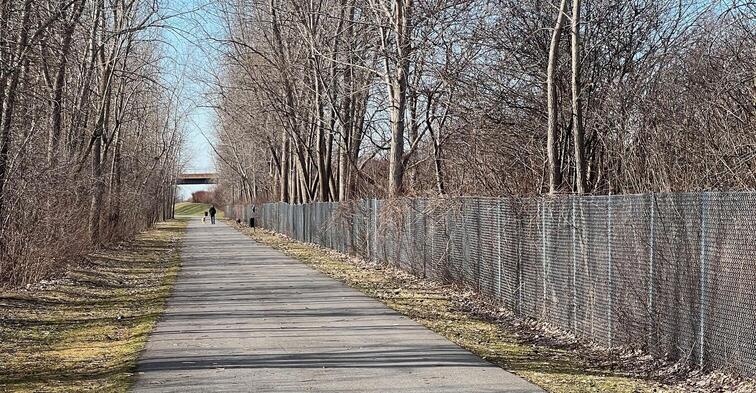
555, 175
577, 106
345, 97
80, 84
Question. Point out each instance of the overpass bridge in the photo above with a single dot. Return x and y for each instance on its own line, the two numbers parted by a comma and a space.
196, 178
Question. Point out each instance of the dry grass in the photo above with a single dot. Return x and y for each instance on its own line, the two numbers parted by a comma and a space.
84, 332
449, 312
195, 209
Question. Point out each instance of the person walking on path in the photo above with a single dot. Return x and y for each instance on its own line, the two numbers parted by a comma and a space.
212, 214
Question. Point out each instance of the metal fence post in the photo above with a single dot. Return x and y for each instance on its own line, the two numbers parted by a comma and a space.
319, 219
306, 231
610, 283
365, 216
424, 220
465, 242
574, 262
410, 217
518, 214
332, 234
498, 253
703, 290
375, 230
543, 241
450, 242
651, 268
431, 233
479, 260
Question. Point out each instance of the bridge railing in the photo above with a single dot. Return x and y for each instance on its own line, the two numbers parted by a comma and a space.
198, 178
672, 274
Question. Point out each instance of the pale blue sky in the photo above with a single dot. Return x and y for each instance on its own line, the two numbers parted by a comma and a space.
189, 60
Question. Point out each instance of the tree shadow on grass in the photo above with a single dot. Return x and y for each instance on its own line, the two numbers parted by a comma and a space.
87, 328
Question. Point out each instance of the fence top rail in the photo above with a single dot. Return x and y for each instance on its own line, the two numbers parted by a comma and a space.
588, 197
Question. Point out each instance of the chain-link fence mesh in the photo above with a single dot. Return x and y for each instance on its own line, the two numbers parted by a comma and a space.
672, 274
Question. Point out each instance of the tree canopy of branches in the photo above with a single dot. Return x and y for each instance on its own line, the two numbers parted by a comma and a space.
89, 136
331, 100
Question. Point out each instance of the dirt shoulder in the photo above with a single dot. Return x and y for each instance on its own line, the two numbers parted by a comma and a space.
84, 332
544, 356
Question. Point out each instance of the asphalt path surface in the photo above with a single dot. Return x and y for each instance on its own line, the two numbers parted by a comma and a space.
246, 318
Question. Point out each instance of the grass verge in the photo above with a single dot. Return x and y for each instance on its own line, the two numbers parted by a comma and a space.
195, 209
84, 332
456, 315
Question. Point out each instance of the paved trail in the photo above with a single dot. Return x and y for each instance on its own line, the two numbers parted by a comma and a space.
245, 318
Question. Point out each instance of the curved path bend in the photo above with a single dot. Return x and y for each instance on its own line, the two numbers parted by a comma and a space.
246, 318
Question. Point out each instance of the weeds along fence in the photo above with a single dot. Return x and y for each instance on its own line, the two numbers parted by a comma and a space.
673, 274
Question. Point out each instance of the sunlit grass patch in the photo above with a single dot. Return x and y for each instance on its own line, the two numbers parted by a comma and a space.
439, 307
84, 332
195, 209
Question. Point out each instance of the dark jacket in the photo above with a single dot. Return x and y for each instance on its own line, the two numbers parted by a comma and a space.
212, 211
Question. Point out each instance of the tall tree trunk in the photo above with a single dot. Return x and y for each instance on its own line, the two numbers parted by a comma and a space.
396, 155
95, 207
108, 64
293, 182
555, 174
397, 89
347, 110
253, 187
577, 107
285, 160
81, 115
322, 152
347, 106
114, 215
332, 189
343, 154
414, 125
9, 99
359, 108
53, 140
436, 147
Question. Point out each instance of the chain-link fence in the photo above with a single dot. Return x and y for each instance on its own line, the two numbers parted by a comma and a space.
673, 274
